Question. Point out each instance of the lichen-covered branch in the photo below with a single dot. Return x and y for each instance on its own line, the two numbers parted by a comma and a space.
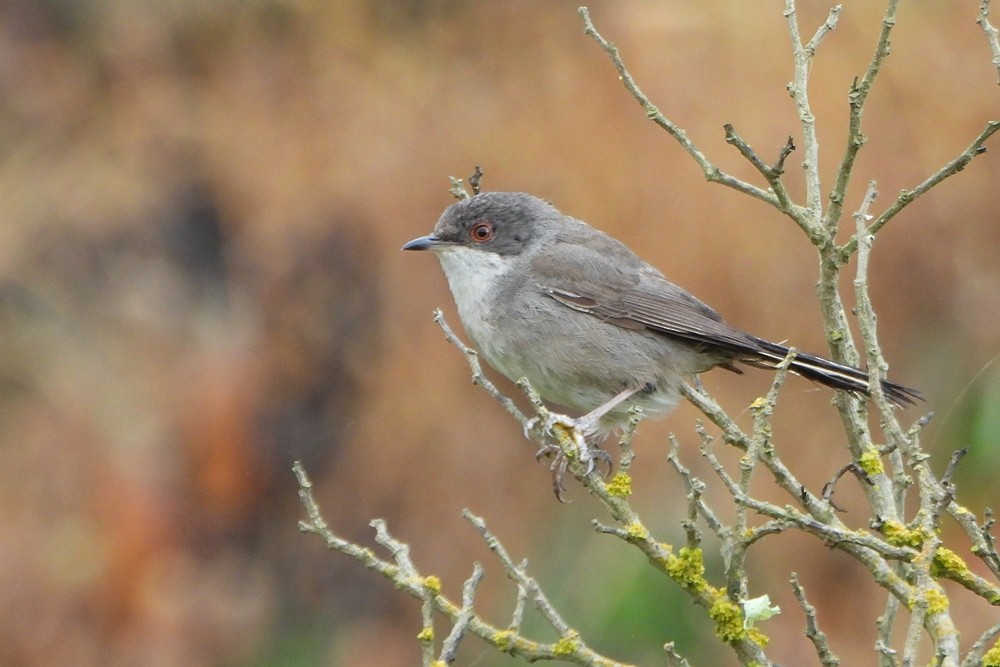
405, 576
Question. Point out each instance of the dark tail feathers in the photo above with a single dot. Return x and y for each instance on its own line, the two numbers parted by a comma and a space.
829, 373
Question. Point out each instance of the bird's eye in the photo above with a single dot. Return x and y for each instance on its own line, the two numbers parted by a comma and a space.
482, 231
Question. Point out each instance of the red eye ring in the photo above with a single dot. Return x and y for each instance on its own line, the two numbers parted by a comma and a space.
482, 231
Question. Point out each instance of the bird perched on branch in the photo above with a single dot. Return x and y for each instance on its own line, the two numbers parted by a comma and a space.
591, 325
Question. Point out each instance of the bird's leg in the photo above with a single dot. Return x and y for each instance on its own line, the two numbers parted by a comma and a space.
578, 431
589, 422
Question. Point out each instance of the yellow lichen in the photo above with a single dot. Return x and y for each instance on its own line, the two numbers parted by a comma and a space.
950, 565
502, 640
433, 584
899, 535
728, 619
620, 485
636, 531
934, 599
871, 462
426, 636
687, 568
937, 601
566, 645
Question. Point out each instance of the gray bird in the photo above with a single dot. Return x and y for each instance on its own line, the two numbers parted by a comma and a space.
591, 325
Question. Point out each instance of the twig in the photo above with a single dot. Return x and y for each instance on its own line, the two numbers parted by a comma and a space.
798, 88
974, 657
571, 646
818, 638
450, 644
856, 138
992, 36
877, 366
906, 197
674, 659
517, 618
712, 173
771, 174
478, 377
831, 485
476, 179
824, 28
405, 576
695, 488
885, 624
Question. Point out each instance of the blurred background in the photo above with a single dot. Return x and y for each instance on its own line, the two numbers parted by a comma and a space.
202, 205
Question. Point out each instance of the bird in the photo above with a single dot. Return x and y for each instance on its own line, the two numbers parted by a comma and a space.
589, 324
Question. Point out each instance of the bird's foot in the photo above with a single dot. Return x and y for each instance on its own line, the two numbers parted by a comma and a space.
573, 438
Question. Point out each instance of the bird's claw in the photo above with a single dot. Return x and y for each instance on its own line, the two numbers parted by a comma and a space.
577, 432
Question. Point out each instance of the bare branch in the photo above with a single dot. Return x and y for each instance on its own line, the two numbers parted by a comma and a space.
771, 174
885, 623
478, 377
798, 88
974, 658
517, 618
695, 487
827, 26
992, 36
712, 173
826, 657
572, 647
465, 615
907, 197
855, 137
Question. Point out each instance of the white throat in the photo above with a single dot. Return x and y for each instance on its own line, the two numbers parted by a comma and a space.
473, 276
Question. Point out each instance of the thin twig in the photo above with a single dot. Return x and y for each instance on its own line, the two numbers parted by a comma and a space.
798, 88
856, 138
824, 28
992, 36
674, 659
907, 197
517, 617
712, 172
885, 625
818, 638
695, 488
450, 645
406, 577
478, 377
572, 645
974, 657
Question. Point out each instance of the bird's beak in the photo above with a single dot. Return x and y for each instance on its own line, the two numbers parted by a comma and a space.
429, 242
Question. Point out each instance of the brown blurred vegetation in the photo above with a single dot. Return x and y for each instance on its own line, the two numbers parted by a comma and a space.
202, 204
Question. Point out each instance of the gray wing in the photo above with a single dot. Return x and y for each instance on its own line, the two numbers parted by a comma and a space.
607, 280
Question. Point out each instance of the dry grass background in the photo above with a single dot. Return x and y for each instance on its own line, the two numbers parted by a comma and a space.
202, 205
